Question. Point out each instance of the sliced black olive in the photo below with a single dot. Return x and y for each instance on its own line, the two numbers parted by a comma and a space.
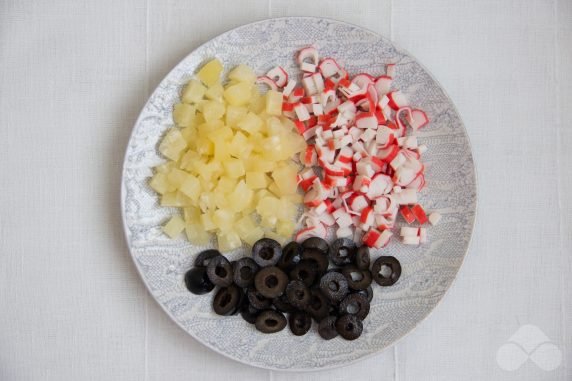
282, 304
243, 271
349, 327
266, 252
386, 271
355, 304
368, 293
342, 251
316, 243
304, 271
270, 321
197, 281
291, 256
298, 294
362, 258
300, 323
334, 286
227, 300
270, 281
249, 313
357, 279
327, 327
257, 300
319, 305
320, 260
204, 257
219, 271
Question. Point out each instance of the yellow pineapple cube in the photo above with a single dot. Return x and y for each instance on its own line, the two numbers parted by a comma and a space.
209, 74
238, 94
277, 237
285, 228
253, 235
207, 222
250, 123
224, 219
184, 114
191, 187
256, 180
174, 227
193, 92
173, 144
228, 241
213, 110
176, 177
192, 215
160, 184
234, 168
197, 234
205, 146
240, 198
234, 114
215, 92
273, 103
242, 73
285, 179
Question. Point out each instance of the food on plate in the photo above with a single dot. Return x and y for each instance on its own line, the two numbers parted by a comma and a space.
230, 164
300, 280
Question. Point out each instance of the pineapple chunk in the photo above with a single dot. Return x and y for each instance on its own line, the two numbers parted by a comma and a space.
176, 177
205, 146
228, 241
184, 114
253, 235
240, 198
210, 72
238, 94
251, 123
173, 144
242, 73
234, 168
277, 237
273, 102
193, 92
160, 184
190, 135
192, 215
285, 179
207, 222
213, 110
215, 92
197, 234
224, 219
234, 114
191, 187
226, 184
285, 228
174, 227
268, 206
256, 180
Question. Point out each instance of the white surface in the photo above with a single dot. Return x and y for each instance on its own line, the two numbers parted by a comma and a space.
73, 78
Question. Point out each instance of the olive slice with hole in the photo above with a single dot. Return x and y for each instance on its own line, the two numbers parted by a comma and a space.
282, 304
349, 327
319, 305
368, 293
319, 259
299, 322
342, 251
327, 327
249, 313
204, 257
335, 286
244, 271
219, 271
257, 300
227, 300
291, 256
317, 243
266, 252
270, 281
270, 321
362, 258
298, 294
386, 271
304, 271
355, 304
357, 279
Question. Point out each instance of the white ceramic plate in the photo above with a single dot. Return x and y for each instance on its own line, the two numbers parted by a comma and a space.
428, 271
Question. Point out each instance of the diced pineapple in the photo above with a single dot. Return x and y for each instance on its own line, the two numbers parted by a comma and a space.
268, 222
240, 146
174, 227
192, 215
159, 183
176, 177
224, 219
184, 114
165, 167
205, 146
257, 164
234, 114
240, 198
242, 73
220, 199
209, 74
207, 222
226, 184
285, 228
221, 150
268, 206
228, 241
273, 102
188, 160
287, 211
169, 199
250, 123
213, 110
277, 237
173, 144
256, 180
197, 234
274, 127
253, 235
222, 133
285, 179
193, 92
215, 92
238, 94
257, 104
234, 168
191, 187
190, 135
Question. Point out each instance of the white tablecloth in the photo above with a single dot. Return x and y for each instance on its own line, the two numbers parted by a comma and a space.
73, 77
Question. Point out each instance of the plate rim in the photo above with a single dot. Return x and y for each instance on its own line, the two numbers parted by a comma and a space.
472, 221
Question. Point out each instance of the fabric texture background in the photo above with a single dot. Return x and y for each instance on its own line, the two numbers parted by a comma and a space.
74, 76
